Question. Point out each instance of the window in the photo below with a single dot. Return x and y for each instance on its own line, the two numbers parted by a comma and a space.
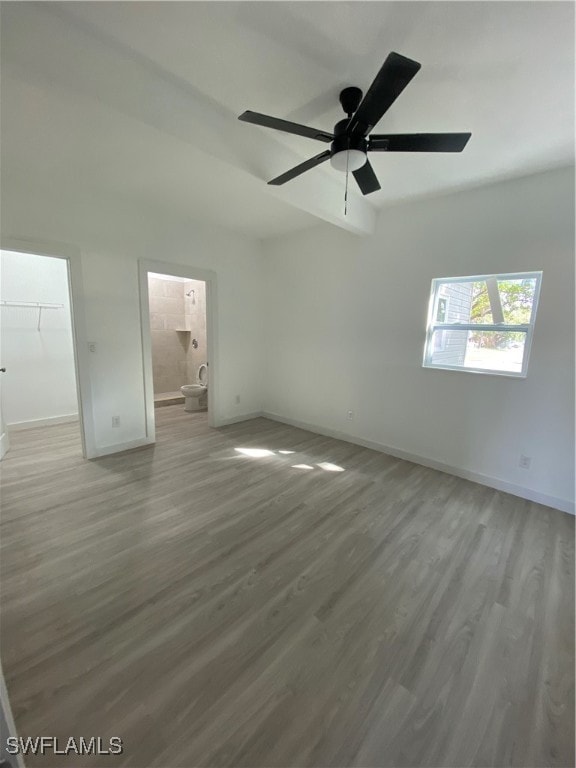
482, 324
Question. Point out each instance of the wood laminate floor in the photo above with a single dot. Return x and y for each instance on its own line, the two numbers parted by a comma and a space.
213, 608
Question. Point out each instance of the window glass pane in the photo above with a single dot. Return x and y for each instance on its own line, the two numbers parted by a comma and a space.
517, 297
485, 350
487, 301
480, 307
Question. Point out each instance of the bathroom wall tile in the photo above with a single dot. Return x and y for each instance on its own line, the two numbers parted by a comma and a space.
165, 381
162, 353
173, 321
160, 335
172, 306
170, 359
164, 361
156, 321
165, 288
181, 345
155, 287
174, 289
159, 379
155, 303
184, 341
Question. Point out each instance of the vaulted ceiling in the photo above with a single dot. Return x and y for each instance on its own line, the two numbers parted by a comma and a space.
141, 100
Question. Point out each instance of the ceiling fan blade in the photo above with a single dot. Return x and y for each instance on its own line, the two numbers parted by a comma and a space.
286, 126
305, 166
366, 179
394, 76
418, 142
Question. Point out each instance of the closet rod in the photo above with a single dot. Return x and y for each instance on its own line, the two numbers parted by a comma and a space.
31, 304
39, 305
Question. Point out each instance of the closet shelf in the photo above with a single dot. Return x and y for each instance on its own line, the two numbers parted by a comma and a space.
31, 304
39, 305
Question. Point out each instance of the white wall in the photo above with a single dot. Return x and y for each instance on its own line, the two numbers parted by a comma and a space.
40, 382
346, 316
112, 235
344, 319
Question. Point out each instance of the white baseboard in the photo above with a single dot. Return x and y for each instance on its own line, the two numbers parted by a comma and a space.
33, 423
121, 447
564, 505
235, 419
144, 442
4, 444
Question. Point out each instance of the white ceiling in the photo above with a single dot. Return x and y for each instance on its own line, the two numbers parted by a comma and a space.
142, 99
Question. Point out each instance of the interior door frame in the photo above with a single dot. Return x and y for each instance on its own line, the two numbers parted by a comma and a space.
191, 273
73, 258
4, 436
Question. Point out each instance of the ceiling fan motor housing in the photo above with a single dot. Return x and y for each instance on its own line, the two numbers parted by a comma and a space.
350, 99
342, 141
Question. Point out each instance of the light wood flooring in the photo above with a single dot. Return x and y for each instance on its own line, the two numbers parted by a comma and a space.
216, 609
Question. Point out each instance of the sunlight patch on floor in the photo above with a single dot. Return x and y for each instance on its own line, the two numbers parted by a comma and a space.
255, 453
326, 465
259, 453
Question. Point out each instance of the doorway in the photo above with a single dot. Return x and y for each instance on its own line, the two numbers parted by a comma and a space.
39, 385
177, 306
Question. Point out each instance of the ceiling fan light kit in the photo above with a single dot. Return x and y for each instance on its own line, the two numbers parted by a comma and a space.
350, 141
348, 160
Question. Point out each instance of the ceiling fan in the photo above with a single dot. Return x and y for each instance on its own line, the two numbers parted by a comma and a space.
350, 142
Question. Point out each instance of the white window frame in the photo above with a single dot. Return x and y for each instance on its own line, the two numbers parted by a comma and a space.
528, 328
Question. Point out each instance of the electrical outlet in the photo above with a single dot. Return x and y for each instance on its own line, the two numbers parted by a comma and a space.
350, 415
115, 421
92, 347
237, 399
524, 462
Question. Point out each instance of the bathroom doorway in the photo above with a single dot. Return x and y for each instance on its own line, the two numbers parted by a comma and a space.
176, 339
38, 357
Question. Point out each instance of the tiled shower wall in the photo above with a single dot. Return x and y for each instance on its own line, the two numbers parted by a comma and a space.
195, 314
175, 320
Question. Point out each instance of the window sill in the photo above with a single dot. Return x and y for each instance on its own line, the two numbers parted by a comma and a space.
481, 371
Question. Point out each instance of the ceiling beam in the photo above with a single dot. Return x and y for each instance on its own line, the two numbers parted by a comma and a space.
50, 47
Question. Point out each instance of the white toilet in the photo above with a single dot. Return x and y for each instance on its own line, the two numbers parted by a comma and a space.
196, 395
